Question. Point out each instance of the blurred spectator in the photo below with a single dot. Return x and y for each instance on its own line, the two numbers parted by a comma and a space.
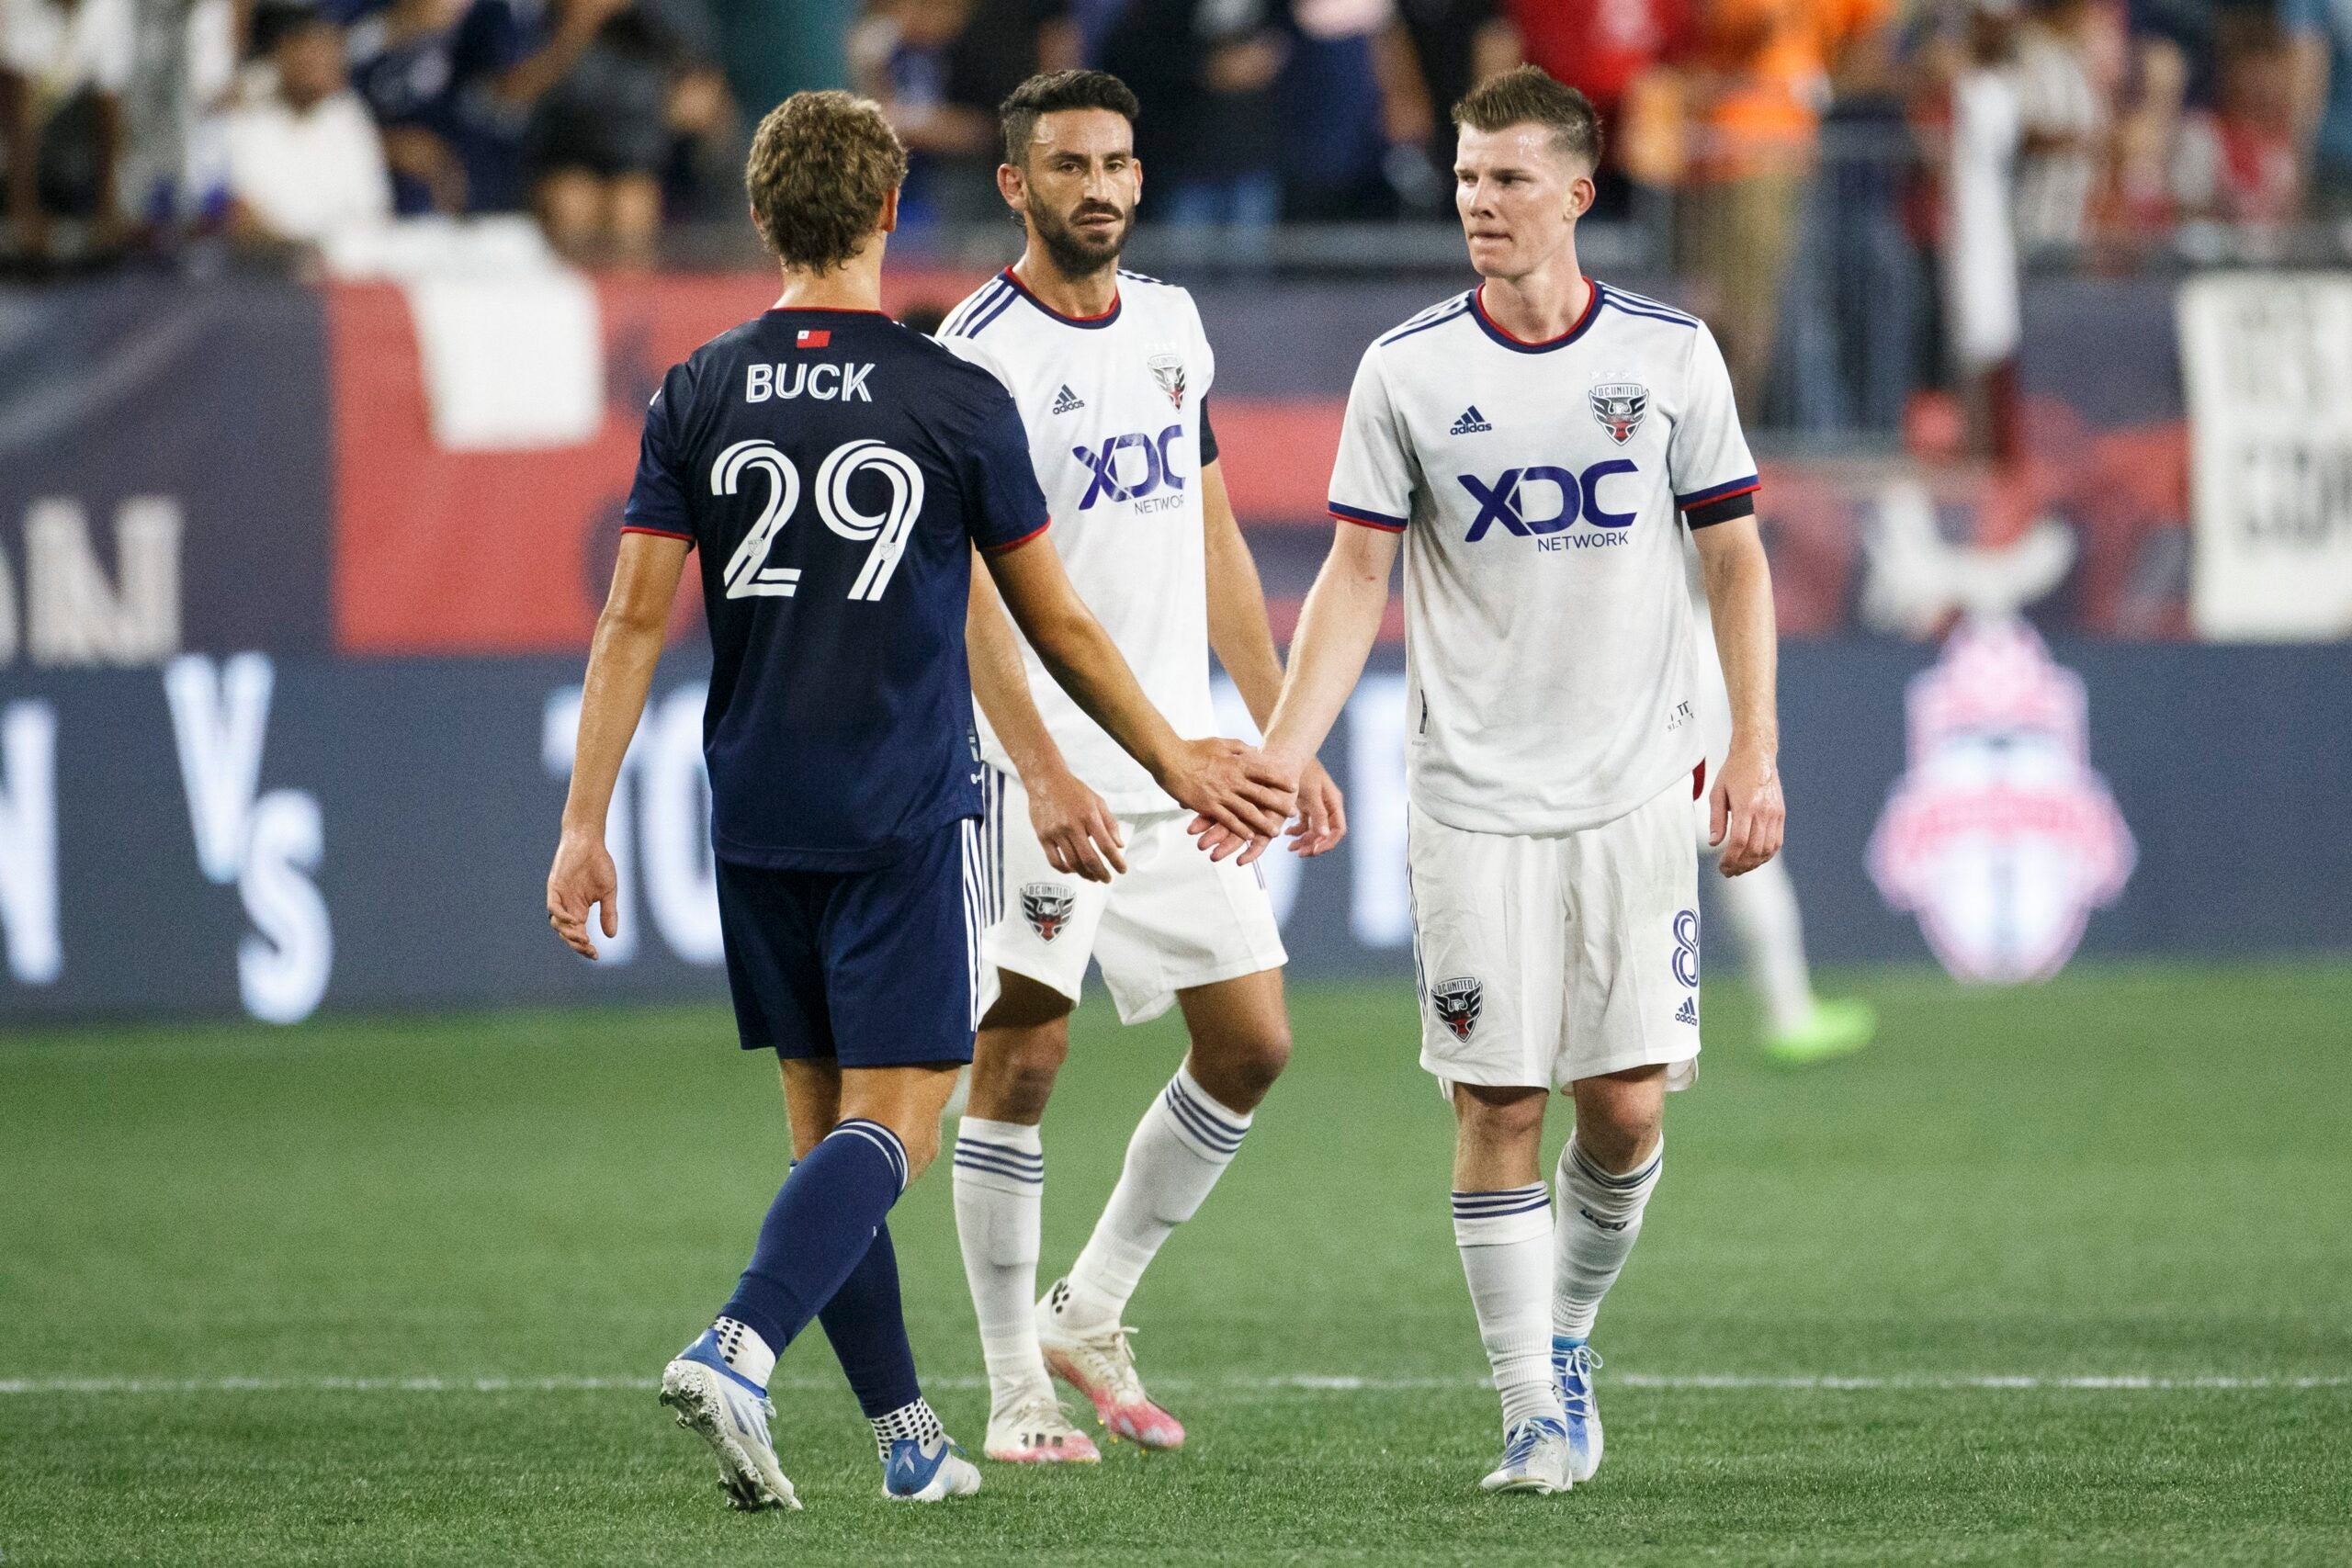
63, 68
939, 68
1453, 45
305, 161
1753, 76
2063, 124
2322, 34
603, 135
1983, 322
774, 49
2239, 162
1348, 90
1609, 50
406, 62
1210, 139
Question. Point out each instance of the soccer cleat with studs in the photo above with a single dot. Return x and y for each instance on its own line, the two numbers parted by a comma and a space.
1037, 1431
1098, 1363
1535, 1459
1573, 1364
731, 1413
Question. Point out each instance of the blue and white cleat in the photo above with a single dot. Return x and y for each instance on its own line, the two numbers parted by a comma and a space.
1573, 1364
927, 1472
731, 1413
1535, 1459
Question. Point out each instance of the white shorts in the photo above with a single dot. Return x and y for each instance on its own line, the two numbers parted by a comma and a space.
1176, 920
1546, 960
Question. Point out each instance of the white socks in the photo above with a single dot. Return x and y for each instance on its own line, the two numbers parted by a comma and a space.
1762, 907
1504, 1238
1000, 1190
1601, 1216
745, 1353
1181, 1147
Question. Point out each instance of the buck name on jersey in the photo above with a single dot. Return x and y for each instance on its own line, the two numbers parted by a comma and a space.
1119, 436
1547, 629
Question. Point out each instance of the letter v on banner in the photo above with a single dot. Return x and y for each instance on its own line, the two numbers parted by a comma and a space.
220, 724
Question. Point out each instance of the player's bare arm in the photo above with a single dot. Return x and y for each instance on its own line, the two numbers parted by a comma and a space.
1336, 631
1073, 823
627, 646
1244, 643
1746, 811
1229, 785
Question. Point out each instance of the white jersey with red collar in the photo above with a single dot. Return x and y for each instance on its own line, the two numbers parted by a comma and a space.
1112, 404
1542, 489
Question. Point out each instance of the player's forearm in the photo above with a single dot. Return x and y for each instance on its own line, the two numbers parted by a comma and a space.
1000, 683
1739, 602
620, 671
1336, 631
1084, 660
1079, 655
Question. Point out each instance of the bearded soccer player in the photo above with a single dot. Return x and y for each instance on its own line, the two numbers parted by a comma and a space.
837, 470
1537, 447
1112, 372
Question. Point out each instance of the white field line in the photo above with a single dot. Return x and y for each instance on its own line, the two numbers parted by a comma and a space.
1289, 1383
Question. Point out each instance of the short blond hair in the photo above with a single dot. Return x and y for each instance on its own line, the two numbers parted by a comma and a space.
1528, 97
822, 166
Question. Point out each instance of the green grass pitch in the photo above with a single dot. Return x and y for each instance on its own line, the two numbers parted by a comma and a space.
281, 1297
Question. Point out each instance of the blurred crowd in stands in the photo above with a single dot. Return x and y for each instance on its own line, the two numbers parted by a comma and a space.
1976, 137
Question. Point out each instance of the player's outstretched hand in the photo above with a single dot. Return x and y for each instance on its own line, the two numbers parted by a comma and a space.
582, 876
1746, 814
1075, 825
1322, 819
1235, 787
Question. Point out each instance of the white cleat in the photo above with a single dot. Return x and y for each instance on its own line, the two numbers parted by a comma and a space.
1535, 1459
1098, 1363
1573, 1364
731, 1413
1036, 1430
928, 1472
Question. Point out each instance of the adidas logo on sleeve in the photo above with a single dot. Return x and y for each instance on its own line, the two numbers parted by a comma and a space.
1471, 422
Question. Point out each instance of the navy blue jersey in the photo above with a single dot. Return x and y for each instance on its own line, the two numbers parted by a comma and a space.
835, 468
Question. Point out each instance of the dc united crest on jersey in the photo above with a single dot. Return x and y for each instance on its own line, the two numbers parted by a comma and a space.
1619, 406
1168, 369
1045, 906
1457, 1002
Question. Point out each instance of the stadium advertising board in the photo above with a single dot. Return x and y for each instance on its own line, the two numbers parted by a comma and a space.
2268, 359
273, 836
163, 472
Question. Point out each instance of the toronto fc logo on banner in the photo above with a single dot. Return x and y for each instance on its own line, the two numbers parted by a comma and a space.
1999, 835
1045, 906
1457, 1002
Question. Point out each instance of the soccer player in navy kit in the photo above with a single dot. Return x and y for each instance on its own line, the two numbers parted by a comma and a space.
836, 470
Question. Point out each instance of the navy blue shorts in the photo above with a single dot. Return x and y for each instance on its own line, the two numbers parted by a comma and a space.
876, 968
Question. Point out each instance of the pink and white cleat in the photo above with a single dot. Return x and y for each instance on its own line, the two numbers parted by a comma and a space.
1037, 1431
1097, 1362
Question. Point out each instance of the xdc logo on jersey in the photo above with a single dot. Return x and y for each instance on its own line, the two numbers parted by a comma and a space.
1509, 501
1471, 422
1159, 470
1067, 402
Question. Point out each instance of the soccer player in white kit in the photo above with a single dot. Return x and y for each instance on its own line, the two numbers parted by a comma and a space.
1111, 372
1536, 447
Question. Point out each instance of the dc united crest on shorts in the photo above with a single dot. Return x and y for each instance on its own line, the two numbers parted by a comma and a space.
1619, 406
1045, 906
1457, 1002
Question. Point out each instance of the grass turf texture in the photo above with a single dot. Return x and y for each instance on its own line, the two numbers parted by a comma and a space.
2136, 1170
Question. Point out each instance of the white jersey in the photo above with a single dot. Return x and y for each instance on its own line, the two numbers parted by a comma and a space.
1547, 627
1112, 406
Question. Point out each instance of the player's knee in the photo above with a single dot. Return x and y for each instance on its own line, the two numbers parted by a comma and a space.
919, 1138
1013, 1072
1617, 1136
1498, 1118
1240, 1071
